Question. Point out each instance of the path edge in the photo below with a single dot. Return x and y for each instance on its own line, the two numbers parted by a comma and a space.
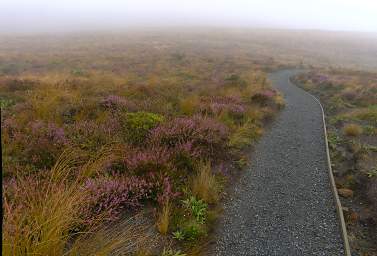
338, 204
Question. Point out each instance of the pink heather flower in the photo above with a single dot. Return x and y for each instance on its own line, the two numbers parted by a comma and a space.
200, 134
219, 104
268, 93
115, 101
111, 196
149, 159
56, 134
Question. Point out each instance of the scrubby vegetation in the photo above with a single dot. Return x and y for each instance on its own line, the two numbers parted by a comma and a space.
96, 132
350, 101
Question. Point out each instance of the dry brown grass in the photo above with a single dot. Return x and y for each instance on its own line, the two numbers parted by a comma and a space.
204, 184
40, 212
129, 236
164, 219
352, 130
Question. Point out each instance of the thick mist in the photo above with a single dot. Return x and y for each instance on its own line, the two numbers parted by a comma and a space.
72, 15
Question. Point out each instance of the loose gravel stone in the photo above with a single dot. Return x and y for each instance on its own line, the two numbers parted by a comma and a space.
284, 204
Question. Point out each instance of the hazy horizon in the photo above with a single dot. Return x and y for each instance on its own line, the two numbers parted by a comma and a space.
20, 16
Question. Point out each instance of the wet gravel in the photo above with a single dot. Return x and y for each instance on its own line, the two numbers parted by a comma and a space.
283, 205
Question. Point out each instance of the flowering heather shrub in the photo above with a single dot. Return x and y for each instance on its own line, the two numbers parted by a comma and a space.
108, 197
91, 135
137, 125
264, 96
217, 105
164, 188
117, 102
184, 156
12, 85
38, 143
150, 159
204, 135
319, 78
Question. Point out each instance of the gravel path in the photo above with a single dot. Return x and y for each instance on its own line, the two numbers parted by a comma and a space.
284, 205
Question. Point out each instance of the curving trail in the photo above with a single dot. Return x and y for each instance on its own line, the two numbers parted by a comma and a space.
284, 205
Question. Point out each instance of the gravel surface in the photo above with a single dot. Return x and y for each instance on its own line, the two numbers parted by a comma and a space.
284, 204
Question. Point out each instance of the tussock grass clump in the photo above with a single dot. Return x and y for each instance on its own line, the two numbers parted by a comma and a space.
204, 184
40, 212
245, 135
163, 220
44, 214
352, 130
129, 236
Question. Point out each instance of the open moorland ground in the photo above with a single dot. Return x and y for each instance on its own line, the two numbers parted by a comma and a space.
124, 143
97, 131
350, 102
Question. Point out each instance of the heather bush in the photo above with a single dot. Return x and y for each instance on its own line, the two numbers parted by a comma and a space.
205, 135
37, 144
91, 135
115, 102
137, 125
218, 105
12, 85
144, 160
109, 197
264, 97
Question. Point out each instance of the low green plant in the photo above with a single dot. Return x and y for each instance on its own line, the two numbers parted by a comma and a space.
5, 103
241, 162
198, 208
136, 125
192, 231
179, 235
367, 114
370, 130
189, 231
171, 252
333, 140
372, 173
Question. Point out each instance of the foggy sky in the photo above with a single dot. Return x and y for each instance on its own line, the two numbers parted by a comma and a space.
55, 15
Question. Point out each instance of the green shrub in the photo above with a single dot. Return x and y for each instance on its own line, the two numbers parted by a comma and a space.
190, 231
198, 208
179, 235
136, 125
171, 252
5, 103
